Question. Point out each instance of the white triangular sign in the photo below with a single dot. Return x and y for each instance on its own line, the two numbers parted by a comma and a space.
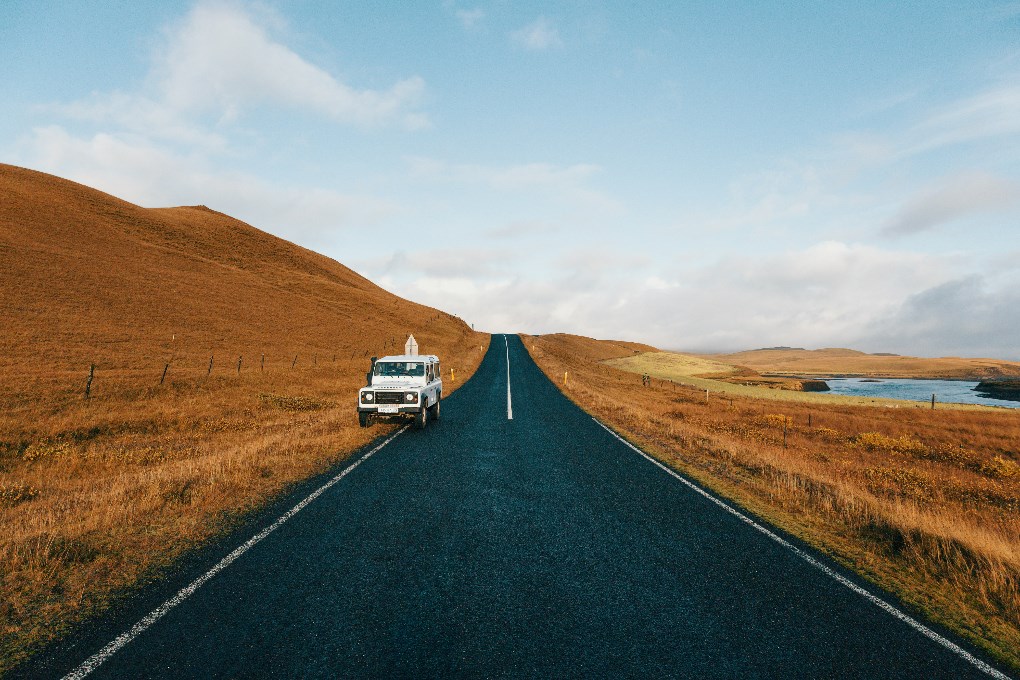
411, 347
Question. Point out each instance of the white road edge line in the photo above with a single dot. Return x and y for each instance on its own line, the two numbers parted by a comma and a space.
509, 401
124, 638
905, 618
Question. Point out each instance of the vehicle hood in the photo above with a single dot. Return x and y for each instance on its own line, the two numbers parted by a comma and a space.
394, 385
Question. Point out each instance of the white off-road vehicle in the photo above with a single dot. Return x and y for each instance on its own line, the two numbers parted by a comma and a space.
403, 386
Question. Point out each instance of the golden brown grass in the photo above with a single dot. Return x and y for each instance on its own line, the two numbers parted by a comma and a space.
923, 503
848, 362
685, 370
97, 495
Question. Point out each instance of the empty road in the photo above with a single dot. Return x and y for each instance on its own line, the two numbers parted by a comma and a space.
512, 539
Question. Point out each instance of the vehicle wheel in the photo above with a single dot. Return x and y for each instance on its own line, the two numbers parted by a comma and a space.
421, 419
363, 419
435, 407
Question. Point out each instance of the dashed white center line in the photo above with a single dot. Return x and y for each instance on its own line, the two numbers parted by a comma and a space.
509, 400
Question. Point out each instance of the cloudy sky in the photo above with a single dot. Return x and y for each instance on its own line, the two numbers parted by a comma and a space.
704, 176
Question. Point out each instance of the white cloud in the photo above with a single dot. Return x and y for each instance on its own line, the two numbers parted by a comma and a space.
521, 228
989, 114
449, 263
539, 35
964, 317
507, 177
540, 174
822, 295
143, 173
567, 183
470, 18
788, 191
170, 141
952, 199
143, 116
219, 60
828, 294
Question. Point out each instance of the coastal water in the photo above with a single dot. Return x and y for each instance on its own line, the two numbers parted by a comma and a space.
946, 391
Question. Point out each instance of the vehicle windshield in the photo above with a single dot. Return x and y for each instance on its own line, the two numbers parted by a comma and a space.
398, 369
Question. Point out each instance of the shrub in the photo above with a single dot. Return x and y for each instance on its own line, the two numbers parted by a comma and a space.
1001, 468
13, 494
876, 441
774, 420
46, 449
293, 403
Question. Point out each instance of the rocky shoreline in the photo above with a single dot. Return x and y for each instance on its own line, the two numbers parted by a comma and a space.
807, 385
1008, 390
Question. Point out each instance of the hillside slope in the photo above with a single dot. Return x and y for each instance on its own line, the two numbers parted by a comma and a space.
88, 278
226, 363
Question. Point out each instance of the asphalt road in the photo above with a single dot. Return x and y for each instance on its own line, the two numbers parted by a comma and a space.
537, 546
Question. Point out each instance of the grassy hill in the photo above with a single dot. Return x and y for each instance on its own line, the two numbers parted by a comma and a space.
88, 278
263, 345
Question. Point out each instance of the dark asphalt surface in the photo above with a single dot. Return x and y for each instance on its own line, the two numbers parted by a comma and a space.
486, 547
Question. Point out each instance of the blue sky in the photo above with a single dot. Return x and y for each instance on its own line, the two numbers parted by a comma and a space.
706, 176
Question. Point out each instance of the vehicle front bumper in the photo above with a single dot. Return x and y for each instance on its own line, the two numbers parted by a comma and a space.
401, 410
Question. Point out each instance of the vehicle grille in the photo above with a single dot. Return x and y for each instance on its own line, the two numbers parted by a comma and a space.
389, 397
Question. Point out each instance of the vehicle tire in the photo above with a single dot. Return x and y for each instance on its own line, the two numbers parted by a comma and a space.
363, 419
421, 419
435, 408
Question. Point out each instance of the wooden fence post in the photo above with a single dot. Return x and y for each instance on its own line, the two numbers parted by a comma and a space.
785, 421
239, 364
294, 363
88, 383
209, 372
165, 369
263, 363
933, 402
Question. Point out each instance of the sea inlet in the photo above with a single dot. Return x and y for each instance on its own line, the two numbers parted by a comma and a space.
946, 391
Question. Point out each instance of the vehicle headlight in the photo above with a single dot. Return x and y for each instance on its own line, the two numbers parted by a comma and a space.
411, 396
367, 396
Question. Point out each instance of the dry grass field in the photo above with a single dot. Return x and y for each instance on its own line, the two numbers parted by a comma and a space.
848, 362
736, 381
100, 494
924, 503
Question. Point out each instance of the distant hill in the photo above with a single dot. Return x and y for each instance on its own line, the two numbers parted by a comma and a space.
88, 278
602, 349
841, 361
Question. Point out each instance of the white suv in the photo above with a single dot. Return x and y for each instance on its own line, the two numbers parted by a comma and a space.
403, 386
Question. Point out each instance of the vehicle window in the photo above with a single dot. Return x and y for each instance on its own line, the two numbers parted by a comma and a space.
396, 369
